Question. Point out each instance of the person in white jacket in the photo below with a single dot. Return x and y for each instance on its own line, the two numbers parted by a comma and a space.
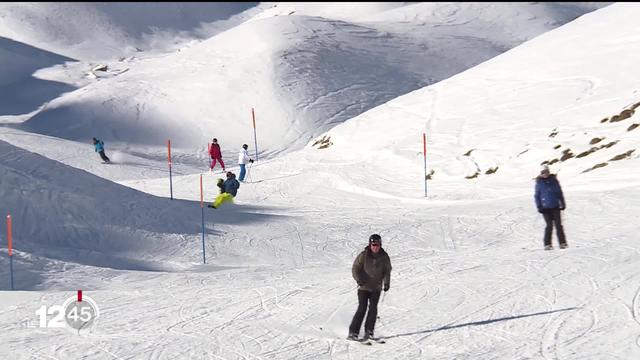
243, 159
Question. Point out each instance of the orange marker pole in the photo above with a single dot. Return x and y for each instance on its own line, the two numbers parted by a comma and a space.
170, 176
10, 247
255, 139
424, 150
204, 258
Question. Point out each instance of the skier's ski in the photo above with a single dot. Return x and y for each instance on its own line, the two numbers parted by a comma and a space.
378, 340
361, 341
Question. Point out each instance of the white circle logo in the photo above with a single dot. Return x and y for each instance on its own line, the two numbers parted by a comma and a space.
80, 312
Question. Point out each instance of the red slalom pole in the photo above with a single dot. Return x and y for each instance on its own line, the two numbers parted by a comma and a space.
424, 151
170, 176
79, 295
255, 139
10, 247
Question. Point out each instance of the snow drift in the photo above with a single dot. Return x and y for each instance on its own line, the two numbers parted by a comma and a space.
302, 74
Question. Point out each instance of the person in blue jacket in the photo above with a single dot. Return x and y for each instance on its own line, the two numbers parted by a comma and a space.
99, 147
550, 202
228, 190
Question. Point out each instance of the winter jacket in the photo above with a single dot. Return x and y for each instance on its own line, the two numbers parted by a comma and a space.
99, 146
243, 157
231, 186
214, 151
548, 194
370, 269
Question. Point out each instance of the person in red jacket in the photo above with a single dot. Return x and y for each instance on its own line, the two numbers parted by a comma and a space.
216, 154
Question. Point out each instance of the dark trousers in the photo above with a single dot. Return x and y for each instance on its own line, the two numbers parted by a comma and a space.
364, 297
103, 156
551, 217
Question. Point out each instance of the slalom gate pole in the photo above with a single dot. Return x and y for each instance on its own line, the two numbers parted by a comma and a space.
255, 139
170, 175
10, 248
424, 148
204, 258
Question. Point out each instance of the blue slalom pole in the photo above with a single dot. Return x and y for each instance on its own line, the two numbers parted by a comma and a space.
169, 159
204, 258
170, 182
11, 270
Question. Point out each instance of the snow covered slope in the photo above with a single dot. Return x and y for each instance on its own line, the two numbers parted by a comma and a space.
100, 31
302, 73
86, 219
551, 100
21, 92
470, 279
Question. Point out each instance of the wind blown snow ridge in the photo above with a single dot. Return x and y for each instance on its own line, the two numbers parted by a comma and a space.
302, 73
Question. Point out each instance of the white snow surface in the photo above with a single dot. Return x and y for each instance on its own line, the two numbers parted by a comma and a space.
303, 73
470, 279
95, 31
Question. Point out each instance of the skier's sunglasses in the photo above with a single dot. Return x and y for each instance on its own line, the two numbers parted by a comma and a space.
374, 244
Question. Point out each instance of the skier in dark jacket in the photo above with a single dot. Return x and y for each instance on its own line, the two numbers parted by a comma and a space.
228, 190
550, 201
231, 185
99, 148
372, 271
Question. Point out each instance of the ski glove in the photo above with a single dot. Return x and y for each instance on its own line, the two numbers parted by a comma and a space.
386, 287
251, 161
363, 280
540, 210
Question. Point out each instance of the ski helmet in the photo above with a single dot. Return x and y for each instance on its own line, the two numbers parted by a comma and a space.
375, 238
545, 170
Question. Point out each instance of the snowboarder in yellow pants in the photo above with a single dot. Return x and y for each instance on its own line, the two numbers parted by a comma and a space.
221, 199
228, 190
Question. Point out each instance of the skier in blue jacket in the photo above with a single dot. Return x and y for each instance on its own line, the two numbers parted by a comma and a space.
228, 190
550, 201
99, 148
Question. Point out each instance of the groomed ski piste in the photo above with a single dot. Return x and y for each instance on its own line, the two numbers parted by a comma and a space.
470, 277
